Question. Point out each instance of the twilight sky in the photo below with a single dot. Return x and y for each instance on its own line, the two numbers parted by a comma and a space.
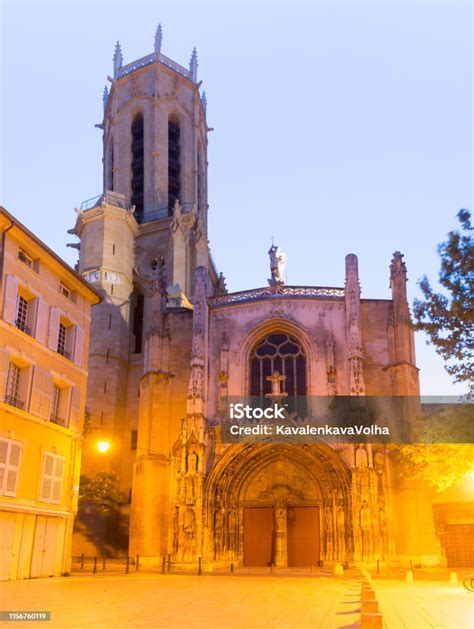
338, 127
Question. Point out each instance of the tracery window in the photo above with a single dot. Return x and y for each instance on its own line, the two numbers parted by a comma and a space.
138, 166
278, 352
174, 162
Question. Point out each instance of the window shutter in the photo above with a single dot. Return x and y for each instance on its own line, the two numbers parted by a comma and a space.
10, 455
10, 297
54, 317
12, 470
41, 317
78, 345
52, 479
3, 462
47, 394
36, 404
74, 418
4, 361
47, 477
58, 479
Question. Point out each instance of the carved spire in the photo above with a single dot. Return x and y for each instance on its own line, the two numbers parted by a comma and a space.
204, 102
193, 65
105, 97
353, 326
158, 38
118, 59
399, 314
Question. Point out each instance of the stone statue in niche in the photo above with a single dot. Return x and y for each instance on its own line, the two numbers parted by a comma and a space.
383, 531
365, 528
379, 462
218, 531
193, 462
329, 524
231, 529
176, 530
341, 533
361, 459
280, 525
189, 533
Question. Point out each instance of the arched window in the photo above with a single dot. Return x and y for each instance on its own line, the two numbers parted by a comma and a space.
137, 319
174, 162
138, 166
111, 166
199, 180
282, 353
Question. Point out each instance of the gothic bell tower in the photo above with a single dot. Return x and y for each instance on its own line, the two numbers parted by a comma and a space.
155, 161
141, 240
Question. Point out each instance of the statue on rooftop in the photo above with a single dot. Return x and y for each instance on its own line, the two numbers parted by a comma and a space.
277, 265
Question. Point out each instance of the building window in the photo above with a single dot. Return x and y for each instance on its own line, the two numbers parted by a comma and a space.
52, 478
56, 415
10, 456
133, 439
12, 389
25, 258
62, 337
174, 162
282, 353
138, 166
65, 292
22, 315
137, 327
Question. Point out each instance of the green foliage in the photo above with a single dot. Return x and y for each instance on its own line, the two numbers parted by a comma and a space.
441, 465
100, 491
449, 320
443, 454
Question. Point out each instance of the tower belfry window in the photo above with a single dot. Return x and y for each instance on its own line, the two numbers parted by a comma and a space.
174, 162
138, 166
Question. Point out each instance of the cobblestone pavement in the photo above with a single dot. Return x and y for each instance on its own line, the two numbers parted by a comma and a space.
233, 601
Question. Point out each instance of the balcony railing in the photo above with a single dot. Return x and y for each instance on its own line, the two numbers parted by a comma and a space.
24, 328
60, 421
14, 401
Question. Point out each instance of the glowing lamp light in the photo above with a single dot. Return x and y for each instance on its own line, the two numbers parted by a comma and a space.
103, 446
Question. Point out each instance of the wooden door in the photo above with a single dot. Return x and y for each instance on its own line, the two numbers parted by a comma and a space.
303, 536
259, 533
44, 547
7, 539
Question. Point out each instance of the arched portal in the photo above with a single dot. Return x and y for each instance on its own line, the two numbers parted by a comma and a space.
281, 504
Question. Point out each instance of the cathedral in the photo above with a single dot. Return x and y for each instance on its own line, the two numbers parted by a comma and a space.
170, 345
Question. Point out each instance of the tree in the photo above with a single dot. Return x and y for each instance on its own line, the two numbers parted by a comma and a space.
441, 452
449, 319
100, 491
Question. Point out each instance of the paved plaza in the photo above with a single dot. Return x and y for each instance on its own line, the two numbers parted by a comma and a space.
242, 601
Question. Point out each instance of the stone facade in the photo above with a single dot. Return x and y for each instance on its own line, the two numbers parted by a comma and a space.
169, 345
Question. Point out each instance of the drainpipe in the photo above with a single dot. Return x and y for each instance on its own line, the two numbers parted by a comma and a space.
2, 256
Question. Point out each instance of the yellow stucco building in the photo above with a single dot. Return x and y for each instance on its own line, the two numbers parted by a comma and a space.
44, 339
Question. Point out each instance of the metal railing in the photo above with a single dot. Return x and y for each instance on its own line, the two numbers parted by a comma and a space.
23, 327
56, 419
14, 401
271, 292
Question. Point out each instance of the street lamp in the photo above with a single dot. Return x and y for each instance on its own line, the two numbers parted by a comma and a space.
103, 446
